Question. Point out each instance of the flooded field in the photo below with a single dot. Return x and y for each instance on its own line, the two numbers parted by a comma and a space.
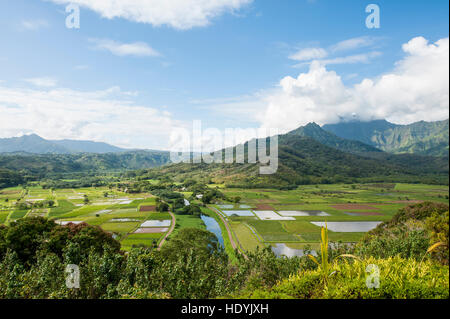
348, 227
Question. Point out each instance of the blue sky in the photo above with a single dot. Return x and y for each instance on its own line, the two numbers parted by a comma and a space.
230, 65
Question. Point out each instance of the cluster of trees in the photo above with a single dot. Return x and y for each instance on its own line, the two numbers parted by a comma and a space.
180, 208
9, 178
87, 181
144, 186
34, 253
48, 203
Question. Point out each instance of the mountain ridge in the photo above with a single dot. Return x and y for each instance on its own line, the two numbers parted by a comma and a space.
35, 144
423, 138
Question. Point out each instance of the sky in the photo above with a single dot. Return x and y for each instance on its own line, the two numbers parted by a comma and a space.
137, 70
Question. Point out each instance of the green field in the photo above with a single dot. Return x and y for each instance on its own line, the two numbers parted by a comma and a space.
381, 202
118, 212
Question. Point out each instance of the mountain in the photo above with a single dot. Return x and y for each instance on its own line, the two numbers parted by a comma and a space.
88, 146
30, 143
310, 155
36, 144
425, 138
315, 132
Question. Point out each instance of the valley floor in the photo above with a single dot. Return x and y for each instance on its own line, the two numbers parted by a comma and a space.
289, 221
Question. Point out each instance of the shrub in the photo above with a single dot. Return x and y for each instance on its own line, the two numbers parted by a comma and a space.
399, 278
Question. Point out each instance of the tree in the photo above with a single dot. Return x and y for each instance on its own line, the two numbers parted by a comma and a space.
162, 207
202, 242
86, 200
24, 236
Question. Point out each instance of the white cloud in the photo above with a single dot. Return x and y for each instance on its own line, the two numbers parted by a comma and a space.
139, 49
179, 14
416, 89
352, 59
107, 115
34, 25
309, 54
353, 44
43, 81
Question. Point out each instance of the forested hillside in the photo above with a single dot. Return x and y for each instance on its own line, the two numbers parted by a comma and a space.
426, 138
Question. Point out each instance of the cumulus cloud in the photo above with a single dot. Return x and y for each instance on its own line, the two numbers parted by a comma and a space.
106, 115
179, 14
139, 49
416, 89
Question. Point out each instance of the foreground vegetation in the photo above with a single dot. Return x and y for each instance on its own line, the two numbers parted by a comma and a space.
35, 251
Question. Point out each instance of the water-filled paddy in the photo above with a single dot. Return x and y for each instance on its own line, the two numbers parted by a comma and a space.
224, 206
123, 220
282, 250
156, 223
153, 230
63, 223
240, 213
270, 215
290, 213
348, 227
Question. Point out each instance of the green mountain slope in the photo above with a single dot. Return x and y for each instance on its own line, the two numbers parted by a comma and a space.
303, 160
426, 138
48, 165
329, 139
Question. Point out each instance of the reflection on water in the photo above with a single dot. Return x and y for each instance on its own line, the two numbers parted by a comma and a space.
240, 213
213, 226
156, 223
282, 250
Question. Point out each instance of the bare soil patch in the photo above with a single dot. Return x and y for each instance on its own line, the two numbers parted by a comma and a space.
147, 209
264, 207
